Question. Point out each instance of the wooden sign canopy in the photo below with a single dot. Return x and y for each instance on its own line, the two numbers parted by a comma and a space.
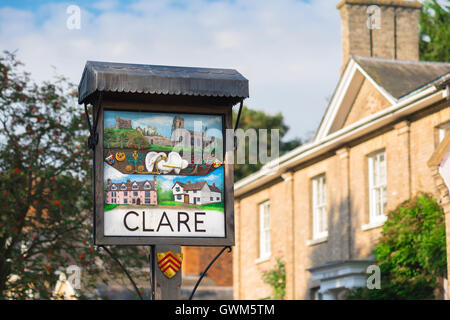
161, 174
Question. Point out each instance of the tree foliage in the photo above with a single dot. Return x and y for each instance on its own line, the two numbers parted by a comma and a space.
256, 119
434, 32
411, 252
45, 188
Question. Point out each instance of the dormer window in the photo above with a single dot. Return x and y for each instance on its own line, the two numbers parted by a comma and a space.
135, 186
123, 187
113, 187
147, 186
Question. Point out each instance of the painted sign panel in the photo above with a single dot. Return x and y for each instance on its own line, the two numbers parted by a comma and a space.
163, 174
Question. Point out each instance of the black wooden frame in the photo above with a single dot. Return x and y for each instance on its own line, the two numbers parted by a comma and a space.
206, 106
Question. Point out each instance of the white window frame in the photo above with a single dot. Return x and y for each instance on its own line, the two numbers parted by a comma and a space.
442, 130
264, 230
319, 206
377, 187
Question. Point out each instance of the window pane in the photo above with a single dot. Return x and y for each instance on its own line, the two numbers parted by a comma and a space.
442, 132
377, 184
325, 222
264, 233
319, 215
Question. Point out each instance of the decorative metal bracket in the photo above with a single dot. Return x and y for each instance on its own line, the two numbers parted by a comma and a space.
237, 124
206, 270
238, 115
125, 271
93, 135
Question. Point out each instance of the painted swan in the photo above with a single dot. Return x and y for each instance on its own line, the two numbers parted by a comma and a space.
165, 164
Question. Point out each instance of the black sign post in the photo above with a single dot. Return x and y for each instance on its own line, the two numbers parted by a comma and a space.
162, 170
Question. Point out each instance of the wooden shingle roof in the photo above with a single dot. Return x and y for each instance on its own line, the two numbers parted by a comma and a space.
401, 77
196, 186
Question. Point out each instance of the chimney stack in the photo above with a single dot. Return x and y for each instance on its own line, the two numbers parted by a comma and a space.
380, 28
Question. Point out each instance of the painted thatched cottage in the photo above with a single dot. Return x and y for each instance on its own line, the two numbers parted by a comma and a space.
196, 193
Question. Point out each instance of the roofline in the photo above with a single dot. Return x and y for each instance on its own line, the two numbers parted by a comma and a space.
187, 184
180, 183
275, 168
393, 3
400, 61
386, 94
438, 83
348, 65
151, 80
345, 81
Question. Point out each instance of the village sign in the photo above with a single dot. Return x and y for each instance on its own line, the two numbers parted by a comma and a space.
161, 174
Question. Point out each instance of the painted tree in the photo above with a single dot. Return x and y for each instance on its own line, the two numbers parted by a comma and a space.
110, 137
45, 189
123, 139
140, 141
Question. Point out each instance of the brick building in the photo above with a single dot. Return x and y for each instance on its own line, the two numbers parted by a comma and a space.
322, 205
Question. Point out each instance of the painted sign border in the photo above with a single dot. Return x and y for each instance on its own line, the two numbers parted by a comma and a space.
202, 109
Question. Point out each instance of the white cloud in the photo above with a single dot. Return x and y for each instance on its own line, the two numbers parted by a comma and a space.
113, 173
166, 182
227, 40
144, 122
288, 49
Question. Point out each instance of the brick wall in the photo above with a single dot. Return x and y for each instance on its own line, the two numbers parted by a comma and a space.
368, 101
196, 259
397, 37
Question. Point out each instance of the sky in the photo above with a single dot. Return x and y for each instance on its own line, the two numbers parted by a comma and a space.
289, 50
